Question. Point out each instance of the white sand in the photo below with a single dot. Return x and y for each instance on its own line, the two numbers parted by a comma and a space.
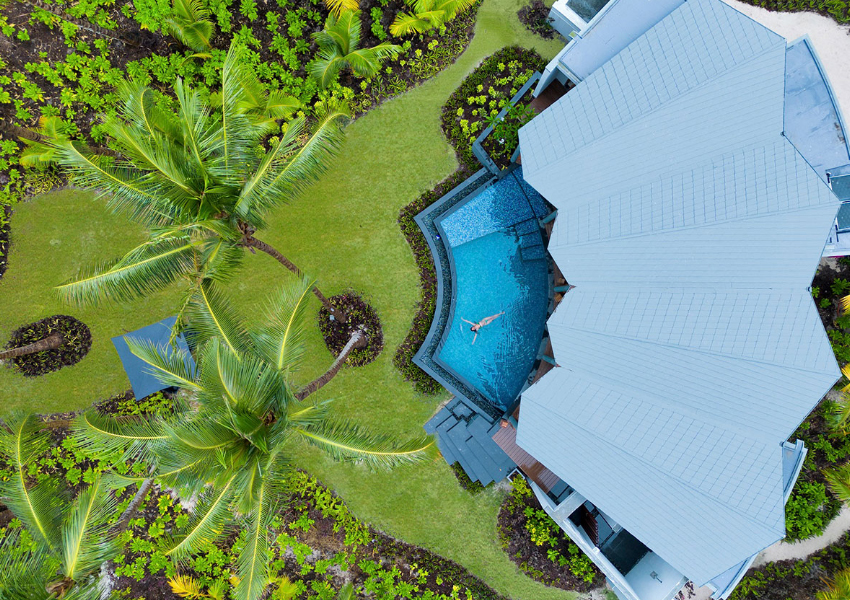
831, 42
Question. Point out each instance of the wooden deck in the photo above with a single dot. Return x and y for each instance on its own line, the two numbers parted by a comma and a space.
506, 439
548, 97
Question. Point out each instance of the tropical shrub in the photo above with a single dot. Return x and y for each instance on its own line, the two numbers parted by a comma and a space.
427, 15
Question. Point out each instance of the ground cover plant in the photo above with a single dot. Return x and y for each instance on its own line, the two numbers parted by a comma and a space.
837, 9
539, 546
481, 96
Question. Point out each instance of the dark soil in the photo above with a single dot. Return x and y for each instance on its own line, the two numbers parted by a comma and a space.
403, 359
132, 43
361, 316
532, 559
76, 345
535, 17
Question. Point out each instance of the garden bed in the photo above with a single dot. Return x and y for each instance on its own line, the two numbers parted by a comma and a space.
75, 345
361, 316
535, 17
539, 546
478, 100
795, 579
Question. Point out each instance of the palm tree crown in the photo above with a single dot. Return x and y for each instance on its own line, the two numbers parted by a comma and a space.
231, 445
197, 176
338, 49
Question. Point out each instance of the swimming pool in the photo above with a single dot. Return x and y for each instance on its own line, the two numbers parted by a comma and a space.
490, 257
492, 277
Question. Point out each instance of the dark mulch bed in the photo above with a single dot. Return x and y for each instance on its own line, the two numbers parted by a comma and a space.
362, 316
403, 359
535, 17
531, 558
77, 342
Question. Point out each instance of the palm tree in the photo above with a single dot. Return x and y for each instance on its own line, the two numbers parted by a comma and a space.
51, 342
232, 446
196, 177
338, 49
71, 539
427, 15
838, 588
189, 23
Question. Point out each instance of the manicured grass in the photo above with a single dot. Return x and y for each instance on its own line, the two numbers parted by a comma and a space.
344, 231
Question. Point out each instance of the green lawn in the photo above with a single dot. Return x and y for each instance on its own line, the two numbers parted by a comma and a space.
344, 231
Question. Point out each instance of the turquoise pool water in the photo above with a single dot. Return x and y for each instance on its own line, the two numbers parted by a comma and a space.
499, 265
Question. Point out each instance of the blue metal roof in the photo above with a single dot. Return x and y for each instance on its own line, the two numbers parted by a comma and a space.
142, 380
690, 347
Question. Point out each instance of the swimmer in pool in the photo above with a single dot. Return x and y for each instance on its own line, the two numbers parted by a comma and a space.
485, 321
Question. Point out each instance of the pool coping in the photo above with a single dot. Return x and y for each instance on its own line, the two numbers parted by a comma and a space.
427, 357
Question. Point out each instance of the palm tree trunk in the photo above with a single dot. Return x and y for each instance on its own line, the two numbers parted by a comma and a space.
134, 504
51, 342
358, 340
261, 245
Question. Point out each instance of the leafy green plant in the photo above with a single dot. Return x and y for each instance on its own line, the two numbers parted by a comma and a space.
339, 49
189, 23
427, 15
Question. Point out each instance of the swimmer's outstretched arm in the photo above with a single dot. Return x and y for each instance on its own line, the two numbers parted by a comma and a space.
470, 322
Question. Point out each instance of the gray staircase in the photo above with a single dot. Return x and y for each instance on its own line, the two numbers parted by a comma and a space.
465, 437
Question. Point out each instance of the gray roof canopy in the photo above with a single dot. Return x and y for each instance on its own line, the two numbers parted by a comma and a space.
690, 348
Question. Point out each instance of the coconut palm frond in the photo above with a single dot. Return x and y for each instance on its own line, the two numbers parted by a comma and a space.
252, 563
280, 105
281, 339
452, 8
206, 525
25, 573
237, 135
125, 188
838, 479
88, 539
309, 412
194, 116
146, 269
38, 506
212, 317
845, 371
346, 31
128, 438
288, 177
409, 23
221, 259
169, 365
338, 6
346, 441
